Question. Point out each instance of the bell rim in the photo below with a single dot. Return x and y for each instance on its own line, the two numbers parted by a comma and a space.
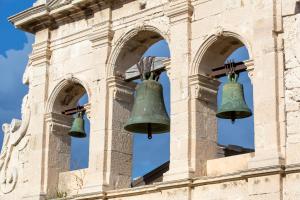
246, 114
77, 134
164, 129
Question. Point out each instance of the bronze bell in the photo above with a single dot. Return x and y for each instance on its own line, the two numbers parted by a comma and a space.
77, 129
233, 102
148, 115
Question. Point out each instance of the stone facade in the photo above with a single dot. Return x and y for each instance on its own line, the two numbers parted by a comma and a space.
86, 46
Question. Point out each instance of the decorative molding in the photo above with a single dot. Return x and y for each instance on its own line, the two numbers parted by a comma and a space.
54, 13
180, 11
28, 19
41, 53
14, 133
213, 37
58, 3
67, 80
162, 30
219, 31
101, 34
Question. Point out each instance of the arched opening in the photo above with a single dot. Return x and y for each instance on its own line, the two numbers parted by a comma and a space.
72, 95
241, 132
151, 154
148, 155
238, 137
80, 146
133, 49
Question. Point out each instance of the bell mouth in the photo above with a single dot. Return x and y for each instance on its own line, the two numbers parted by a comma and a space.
234, 114
77, 134
156, 128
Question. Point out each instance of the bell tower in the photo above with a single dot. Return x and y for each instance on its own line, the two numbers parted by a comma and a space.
86, 47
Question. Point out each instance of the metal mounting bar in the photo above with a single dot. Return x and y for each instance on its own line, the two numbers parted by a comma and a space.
160, 64
73, 111
221, 71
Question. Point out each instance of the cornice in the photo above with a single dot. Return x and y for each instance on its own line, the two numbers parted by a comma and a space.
55, 13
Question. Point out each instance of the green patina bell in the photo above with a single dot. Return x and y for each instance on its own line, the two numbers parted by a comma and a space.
233, 102
77, 129
149, 113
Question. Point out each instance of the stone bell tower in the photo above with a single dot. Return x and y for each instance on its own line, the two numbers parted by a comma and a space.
86, 47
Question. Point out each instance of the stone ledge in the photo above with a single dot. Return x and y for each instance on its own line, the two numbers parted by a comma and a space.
158, 187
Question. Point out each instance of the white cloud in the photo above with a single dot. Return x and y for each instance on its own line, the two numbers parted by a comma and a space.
12, 66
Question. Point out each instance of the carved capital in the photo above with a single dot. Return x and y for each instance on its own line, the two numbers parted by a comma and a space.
121, 90
58, 123
203, 88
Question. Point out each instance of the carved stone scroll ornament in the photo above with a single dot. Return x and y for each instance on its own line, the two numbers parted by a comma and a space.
13, 135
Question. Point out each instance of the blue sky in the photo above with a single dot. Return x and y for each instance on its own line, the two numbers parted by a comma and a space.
14, 49
148, 154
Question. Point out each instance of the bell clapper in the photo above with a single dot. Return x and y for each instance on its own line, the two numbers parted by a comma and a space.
233, 117
149, 131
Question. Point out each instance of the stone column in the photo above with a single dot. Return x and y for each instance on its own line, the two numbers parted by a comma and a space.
266, 85
267, 97
58, 146
100, 37
118, 144
203, 122
179, 13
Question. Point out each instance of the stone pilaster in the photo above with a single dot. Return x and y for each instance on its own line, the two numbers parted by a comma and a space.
179, 13
203, 122
100, 37
38, 92
269, 122
58, 144
118, 147
266, 85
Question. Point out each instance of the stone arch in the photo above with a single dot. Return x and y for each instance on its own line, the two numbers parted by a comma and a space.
66, 94
136, 40
223, 43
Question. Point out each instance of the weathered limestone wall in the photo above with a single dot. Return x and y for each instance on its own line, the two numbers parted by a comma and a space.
291, 22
